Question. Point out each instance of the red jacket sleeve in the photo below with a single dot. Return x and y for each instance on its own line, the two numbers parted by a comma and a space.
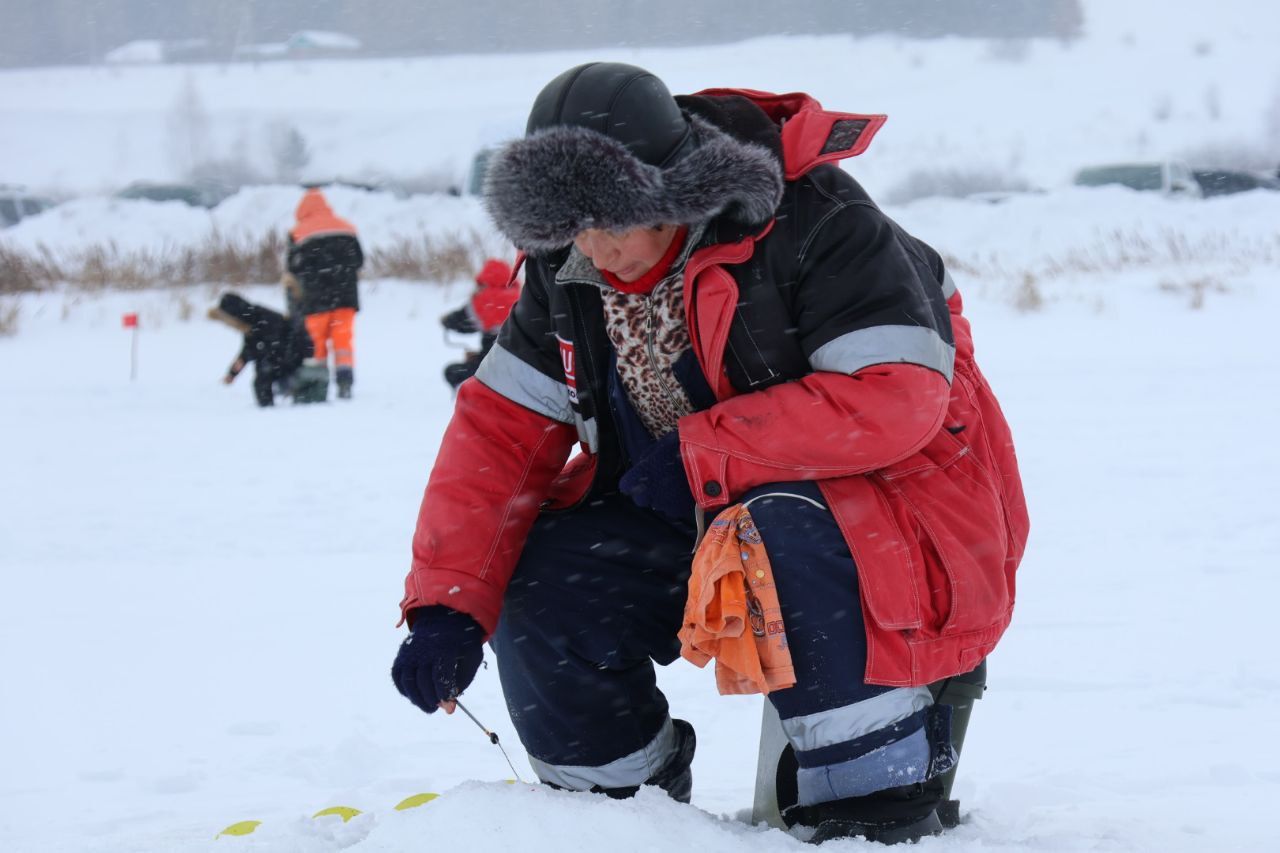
495, 467
824, 425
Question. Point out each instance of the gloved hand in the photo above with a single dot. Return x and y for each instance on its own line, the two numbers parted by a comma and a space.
439, 658
657, 480
460, 320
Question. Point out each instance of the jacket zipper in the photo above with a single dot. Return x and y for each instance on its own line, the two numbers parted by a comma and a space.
699, 518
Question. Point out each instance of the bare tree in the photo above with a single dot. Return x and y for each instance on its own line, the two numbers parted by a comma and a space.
188, 129
289, 151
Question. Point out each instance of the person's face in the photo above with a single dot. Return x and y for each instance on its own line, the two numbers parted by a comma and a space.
627, 255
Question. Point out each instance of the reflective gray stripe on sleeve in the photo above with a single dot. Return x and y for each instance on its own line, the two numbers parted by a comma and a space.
948, 285
886, 345
633, 769
843, 724
523, 384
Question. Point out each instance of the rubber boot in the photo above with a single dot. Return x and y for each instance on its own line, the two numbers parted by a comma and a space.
311, 382
346, 378
846, 818
460, 371
833, 830
906, 813
960, 692
907, 833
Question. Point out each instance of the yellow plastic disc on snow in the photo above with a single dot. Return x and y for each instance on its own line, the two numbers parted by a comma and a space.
344, 812
244, 827
415, 801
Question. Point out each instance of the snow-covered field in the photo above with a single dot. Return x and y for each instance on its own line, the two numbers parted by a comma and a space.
200, 596
197, 620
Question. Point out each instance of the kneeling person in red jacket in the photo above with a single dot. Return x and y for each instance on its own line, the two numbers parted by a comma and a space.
717, 314
496, 292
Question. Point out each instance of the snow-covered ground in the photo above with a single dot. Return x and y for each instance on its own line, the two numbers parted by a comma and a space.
199, 604
200, 596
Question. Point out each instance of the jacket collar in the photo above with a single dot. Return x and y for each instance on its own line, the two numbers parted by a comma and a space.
810, 134
578, 269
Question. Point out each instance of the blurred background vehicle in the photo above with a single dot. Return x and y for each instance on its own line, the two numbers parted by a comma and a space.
474, 184
1227, 181
17, 204
196, 195
1000, 196
1169, 177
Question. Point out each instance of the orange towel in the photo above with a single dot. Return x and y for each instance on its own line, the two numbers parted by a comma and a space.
732, 613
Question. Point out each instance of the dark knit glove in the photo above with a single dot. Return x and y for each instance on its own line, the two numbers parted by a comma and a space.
439, 658
657, 480
460, 320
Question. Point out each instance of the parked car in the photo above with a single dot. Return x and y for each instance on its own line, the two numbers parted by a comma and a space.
1169, 177
1228, 181
17, 204
193, 194
474, 184
1001, 196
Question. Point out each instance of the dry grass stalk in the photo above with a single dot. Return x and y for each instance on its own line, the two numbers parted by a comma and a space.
225, 262
9, 312
1196, 289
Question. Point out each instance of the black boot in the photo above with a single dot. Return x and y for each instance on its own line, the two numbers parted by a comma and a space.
346, 378
892, 816
458, 372
675, 777
910, 833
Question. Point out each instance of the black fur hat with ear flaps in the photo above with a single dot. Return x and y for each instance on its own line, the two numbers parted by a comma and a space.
608, 147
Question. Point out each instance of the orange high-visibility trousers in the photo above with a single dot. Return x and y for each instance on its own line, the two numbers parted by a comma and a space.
339, 326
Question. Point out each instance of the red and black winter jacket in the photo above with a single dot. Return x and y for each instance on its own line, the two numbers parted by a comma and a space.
837, 350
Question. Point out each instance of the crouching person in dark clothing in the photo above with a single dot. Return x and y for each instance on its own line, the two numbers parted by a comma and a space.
275, 346
731, 330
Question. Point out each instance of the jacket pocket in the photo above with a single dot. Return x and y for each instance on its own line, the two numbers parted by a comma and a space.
961, 522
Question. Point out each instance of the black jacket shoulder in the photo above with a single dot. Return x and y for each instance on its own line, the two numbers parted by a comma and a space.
327, 267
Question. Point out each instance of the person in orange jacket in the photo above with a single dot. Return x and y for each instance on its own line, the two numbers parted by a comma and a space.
324, 258
497, 290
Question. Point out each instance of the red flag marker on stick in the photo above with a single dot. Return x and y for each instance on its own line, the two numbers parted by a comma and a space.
130, 321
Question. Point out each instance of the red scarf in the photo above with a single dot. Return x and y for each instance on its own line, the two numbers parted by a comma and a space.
647, 282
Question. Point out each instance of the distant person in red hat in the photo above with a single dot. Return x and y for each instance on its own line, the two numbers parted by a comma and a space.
324, 258
485, 312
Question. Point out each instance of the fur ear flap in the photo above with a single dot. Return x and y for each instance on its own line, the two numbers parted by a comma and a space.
545, 189
724, 175
216, 313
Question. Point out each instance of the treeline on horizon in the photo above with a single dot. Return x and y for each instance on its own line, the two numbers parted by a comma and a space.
77, 32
